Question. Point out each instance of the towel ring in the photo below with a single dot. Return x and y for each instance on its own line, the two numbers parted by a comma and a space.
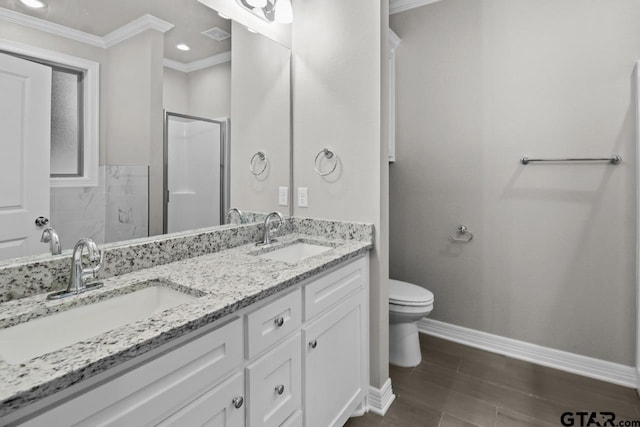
260, 155
463, 231
328, 154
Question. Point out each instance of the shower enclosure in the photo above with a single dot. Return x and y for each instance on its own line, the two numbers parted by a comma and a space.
196, 172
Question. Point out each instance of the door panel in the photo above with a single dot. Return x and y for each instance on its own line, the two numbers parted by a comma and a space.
25, 120
332, 368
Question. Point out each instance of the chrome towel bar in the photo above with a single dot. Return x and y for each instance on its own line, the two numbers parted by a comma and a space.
614, 160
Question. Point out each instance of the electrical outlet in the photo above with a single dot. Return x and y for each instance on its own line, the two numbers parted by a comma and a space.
303, 197
283, 196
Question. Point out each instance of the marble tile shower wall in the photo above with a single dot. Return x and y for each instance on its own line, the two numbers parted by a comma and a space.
78, 212
115, 210
127, 202
41, 274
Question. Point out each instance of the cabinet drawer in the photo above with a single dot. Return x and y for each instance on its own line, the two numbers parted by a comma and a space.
329, 290
269, 324
274, 385
217, 407
158, 388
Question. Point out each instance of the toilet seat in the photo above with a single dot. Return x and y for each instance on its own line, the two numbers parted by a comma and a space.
408, 295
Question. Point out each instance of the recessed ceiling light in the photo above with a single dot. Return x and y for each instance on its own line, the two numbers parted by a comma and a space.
251, 30
183, 46
36, 4
223, 16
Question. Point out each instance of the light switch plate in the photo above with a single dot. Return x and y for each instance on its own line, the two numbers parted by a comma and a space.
283, 196
303, 197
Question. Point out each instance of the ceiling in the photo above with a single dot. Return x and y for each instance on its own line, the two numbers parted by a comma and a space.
100, 17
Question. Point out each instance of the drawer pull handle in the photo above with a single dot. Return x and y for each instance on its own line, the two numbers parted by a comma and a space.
238, 401
279, 321
280, 389
313, 343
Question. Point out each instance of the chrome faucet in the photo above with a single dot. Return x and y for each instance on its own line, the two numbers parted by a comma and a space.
267, 239
237, 211
50, 236
78, 273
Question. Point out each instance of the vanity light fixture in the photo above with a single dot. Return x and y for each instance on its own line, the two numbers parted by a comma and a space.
279, 11
35, 4
183, 47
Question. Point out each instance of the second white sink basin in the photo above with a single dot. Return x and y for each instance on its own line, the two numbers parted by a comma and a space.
50, 333
295, 252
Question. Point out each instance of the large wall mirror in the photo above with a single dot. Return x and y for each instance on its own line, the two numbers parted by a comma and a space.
156, 116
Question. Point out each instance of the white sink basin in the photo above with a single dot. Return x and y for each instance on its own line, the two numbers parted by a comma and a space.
295, 253
50, 333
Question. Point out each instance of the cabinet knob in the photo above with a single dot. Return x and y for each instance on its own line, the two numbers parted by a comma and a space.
313, 343
280, 389
238, 401
279, 321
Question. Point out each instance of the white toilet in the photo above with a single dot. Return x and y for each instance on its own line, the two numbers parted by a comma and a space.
408, 303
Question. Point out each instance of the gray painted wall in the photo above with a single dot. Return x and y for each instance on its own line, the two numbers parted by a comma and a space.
134, 73
338, 48
204, 93
260, 119
481, 83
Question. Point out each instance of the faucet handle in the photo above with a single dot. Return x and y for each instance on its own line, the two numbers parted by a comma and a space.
96, 256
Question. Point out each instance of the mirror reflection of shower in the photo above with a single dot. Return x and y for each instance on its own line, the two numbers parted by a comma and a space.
196, 172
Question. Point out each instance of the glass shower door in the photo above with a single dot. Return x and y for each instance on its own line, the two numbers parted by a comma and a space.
196, 185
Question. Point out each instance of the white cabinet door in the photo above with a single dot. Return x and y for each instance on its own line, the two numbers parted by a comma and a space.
221, 407
334, 369
275, 385
25, 120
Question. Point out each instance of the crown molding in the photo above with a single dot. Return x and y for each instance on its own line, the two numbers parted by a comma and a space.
396, 6
7, 15
145, 22
200, 64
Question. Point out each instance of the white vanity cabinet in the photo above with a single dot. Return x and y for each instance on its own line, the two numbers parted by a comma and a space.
298, 358
336, 345
154, 390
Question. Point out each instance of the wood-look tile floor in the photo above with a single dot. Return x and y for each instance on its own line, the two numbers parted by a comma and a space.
456, 385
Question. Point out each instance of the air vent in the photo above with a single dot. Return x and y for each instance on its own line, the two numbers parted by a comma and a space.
216, 33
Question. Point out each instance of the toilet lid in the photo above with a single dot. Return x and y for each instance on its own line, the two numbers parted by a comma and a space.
403, 293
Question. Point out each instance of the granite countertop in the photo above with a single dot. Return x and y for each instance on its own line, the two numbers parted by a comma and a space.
224, 282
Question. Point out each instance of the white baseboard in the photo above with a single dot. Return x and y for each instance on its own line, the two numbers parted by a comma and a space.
570, 362
380, 399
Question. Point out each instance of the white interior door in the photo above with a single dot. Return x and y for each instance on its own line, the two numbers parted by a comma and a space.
25, 129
